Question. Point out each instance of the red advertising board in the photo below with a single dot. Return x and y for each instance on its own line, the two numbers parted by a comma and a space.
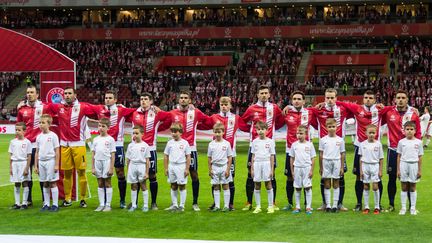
308, 31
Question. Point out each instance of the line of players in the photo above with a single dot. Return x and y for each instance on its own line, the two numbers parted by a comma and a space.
71, 115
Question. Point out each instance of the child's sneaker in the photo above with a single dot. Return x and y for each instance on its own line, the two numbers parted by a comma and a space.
66, 203
16, 206
54, 209
402, 211
322, 208
225, 209
122, 205
328, 210
413, 211
154, 207
24, 207
257, 210
196, 208
270, 209
83, 204
308, 211
366, 211
180, 209
357, 208
390, 209
247, 207
276, 208
377, 211
107, 209
145, 209
335, 210
131, 209
45, 208
296, 211
99, 209
215, 209
231, 207
287, 207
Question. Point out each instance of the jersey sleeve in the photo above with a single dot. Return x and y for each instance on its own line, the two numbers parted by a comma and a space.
399, 147
56, 141
128, 151
204, 122
10, 148
166, 118
350, 107
29, 147
147, 153
243, 126
229, 151
187, 149
418, 130
93, 148
321, 145
312, 149
421, 151
19, 116
167, 148
209, 151
113, 146
247, 115
314, 120
127, 112
272, 148
381, 151
279, 118
91, 110
292, 150
342, 147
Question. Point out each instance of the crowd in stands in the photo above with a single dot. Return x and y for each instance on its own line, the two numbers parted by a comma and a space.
212, 17
8, 82
414, 55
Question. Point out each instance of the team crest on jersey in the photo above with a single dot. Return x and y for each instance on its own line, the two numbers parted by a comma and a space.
142, 150
374, 114
392, 118
181, 147
376, 149
406, 118
291, 118
267, 145
107, 144
336, 114
269, 113
231, 123
55, 95
75, 109
224, 148
49, 140
176, 118
304, 118
307, 149
416, 146
62, 110
150, 114
25, 113
256, 115
24, 146
38, 112
113, 112
338, 144
362, 114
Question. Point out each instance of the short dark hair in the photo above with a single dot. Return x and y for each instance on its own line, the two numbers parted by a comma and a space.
70, 87
261, 87
402, 91
105, 121
410, 124
298, 92
147, 94
21, 124
139, 127
186, 93
111, 92
261, 125
176, 127
369, 92
31, 86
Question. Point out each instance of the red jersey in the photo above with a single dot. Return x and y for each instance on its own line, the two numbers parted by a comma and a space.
150, 120
231, 123
395, 121
365, 116
339, 113
293, 120
269, 113
30, 115
72, 121
190, 119
117, 115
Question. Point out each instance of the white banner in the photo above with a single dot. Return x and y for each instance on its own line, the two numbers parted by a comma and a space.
7, 129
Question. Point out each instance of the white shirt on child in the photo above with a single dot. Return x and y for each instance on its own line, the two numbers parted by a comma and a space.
46, 143
302, 153
103, 147
410, 150
177, 151
371, 153
137, 153
263, 149
19, 149
219, 152
332, 147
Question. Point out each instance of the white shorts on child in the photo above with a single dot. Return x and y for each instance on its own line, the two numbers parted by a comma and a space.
219, 175
261, 171
46, 171
301, 177
102, 168
331, 168
408, 172
176, 173
370, 172
136, 173
18, 171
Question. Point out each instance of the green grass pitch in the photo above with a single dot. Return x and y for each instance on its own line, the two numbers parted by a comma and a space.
237, 225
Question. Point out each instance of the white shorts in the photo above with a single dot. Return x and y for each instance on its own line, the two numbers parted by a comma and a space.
262, 171
102, 168
219, 175
18, 172
331, 168
370, 172
301, 177
136, 173
176, 174
46, 171
408, 172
